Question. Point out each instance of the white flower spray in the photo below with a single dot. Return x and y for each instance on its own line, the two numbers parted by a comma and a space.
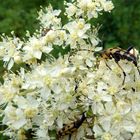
40, 94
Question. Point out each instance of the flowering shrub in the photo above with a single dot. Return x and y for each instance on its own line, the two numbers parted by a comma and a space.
41, 96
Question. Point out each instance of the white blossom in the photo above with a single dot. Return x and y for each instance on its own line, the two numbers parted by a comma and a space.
50, 93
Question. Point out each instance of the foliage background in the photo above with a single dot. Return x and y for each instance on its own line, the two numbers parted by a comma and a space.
121, 27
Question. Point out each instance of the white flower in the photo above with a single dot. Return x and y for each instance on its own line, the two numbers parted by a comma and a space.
42, 134
10, 51
50, 19
123, 107
71, 9
53, 37
77, 32
108, 5
14, 117
129, 126
7, 93
34, 48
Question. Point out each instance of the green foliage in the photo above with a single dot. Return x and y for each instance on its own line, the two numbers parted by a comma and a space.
122, 26
19, 16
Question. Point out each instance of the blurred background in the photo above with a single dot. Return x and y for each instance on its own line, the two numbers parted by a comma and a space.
121, 27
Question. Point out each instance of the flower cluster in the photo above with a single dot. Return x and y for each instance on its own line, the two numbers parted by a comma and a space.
88, 8
40, 94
